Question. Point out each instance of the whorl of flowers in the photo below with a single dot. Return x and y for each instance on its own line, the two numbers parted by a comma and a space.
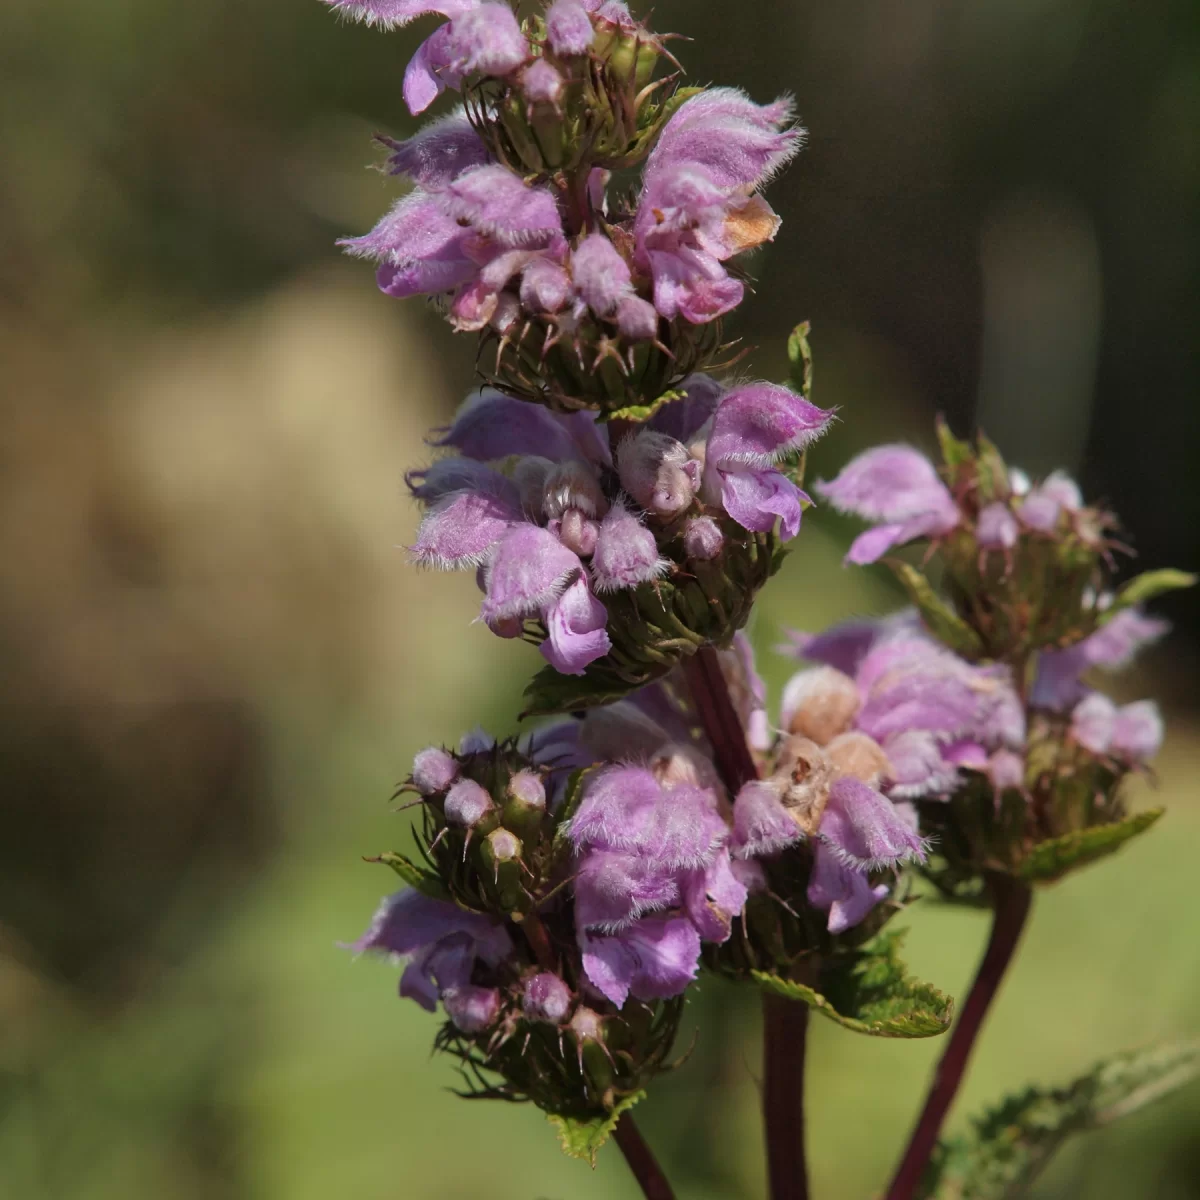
597, 298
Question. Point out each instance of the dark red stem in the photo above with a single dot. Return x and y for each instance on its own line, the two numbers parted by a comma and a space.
785, 1029
641, 1160
1011, 900
720, 719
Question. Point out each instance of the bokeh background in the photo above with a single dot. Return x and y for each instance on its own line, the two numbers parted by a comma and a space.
216, 661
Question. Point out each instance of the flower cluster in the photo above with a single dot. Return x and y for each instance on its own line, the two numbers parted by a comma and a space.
554, 518
595, 298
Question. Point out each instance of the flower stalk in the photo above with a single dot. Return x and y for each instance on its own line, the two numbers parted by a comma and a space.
1011, 904
641, 1160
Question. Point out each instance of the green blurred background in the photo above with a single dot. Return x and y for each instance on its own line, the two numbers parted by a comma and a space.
217, 661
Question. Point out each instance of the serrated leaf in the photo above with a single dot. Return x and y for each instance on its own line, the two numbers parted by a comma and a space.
955, 451
1051, 860
549, 692
1009, 1145
1145, 587
582, 1137
943, 622
642, 412
869, 991
800, 356
413, 875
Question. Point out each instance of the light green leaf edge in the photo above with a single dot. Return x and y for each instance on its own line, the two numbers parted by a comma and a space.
945, 624
1051, 860
1010, 1144
584, 1138
642, 412
1144, 587
877, 968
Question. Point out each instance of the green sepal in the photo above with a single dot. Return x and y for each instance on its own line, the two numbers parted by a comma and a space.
991, 471
1051, 860
572, 798
582, 1137
943, 622
800, 356
1145, 587
955, 451
642, 412
869, 991
424, 881
1009, 1145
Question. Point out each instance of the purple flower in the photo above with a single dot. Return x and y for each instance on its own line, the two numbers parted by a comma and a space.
1041, 508
761, 824
898, 488
625, 554
753, 427
575, 630
441, 941
845, 891
473, 1009
996, 527
1058, 684
391, 14
602, 276
862, 828
696, 209
1132, 734
654, 959
647, 848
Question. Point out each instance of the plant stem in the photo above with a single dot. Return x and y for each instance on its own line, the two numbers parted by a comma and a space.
641, 1160
785, 1027
1011, 901
720, 719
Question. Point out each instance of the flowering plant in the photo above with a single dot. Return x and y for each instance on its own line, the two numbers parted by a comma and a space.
622, 499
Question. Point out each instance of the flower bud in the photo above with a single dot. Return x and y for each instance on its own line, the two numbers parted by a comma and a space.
546, 998
703, 539
820, 703
657, 471
1006, 770
527, 792
541, 83
467, 803
569, 29
434, 770
502, 846
473, 1009
997, 528
587, 1025
475, 740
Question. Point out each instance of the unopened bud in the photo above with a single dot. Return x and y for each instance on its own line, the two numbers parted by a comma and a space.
657, 471
587, 1025
467, 803
1006, 769
546, 998
680, 765
859, 755
525, 804
475, 740
820, 703
541, 83
503, 846
703, 539
434, 770
500, 853
473, 1009
997, 527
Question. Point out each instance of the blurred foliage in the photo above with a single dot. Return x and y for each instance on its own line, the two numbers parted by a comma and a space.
218, 663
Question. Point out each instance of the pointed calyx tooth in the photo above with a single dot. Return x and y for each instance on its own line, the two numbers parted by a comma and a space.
860, 755
806, 775
820, 703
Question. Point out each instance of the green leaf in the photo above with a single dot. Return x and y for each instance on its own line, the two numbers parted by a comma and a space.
582, 1137
955, 451
1145, 587
415, 876
642, 412
800, 355
944, 623
1053, 859
1009, 1145
869, 991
